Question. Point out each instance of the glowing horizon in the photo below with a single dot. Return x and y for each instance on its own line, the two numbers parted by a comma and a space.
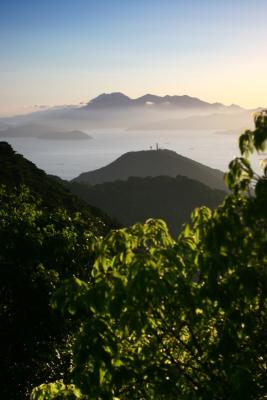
70, 52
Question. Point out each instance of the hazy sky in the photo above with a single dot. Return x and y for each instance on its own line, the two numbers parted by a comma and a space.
64, 52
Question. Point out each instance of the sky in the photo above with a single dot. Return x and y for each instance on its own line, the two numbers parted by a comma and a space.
57, 52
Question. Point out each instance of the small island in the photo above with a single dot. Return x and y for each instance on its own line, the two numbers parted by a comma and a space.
70, 135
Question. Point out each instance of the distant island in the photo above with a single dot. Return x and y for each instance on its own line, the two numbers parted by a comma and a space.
41, 131
71, 135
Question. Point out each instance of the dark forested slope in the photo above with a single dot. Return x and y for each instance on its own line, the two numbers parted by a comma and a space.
154, 163
137, 199
15, 170
43, 241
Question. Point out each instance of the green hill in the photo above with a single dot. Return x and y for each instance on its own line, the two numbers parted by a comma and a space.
154, 163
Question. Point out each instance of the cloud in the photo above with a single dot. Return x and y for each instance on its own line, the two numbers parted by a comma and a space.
41, 106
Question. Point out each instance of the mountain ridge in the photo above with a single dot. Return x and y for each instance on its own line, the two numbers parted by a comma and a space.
118, 99
153, 163
117, 110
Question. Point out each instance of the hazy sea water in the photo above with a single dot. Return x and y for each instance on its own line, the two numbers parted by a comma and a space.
68, 159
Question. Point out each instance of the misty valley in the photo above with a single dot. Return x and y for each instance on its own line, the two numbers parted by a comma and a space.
117, 124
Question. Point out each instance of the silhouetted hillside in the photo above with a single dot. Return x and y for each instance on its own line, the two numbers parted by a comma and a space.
153, 163
15, 170
137, 199
118, 100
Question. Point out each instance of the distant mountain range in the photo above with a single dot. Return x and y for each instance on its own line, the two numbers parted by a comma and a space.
116, 110
153, 163
119, 100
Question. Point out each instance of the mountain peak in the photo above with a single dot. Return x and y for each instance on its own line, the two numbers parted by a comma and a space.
120, 100
110, 99
153, 163
149, 98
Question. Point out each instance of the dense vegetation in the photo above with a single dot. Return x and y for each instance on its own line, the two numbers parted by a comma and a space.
43, 241
38, 250
185, 319
137, 199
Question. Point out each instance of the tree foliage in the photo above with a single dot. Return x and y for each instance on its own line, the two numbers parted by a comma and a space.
185, 319
45, 233
39, 249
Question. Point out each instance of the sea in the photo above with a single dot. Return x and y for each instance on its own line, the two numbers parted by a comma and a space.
67, 159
